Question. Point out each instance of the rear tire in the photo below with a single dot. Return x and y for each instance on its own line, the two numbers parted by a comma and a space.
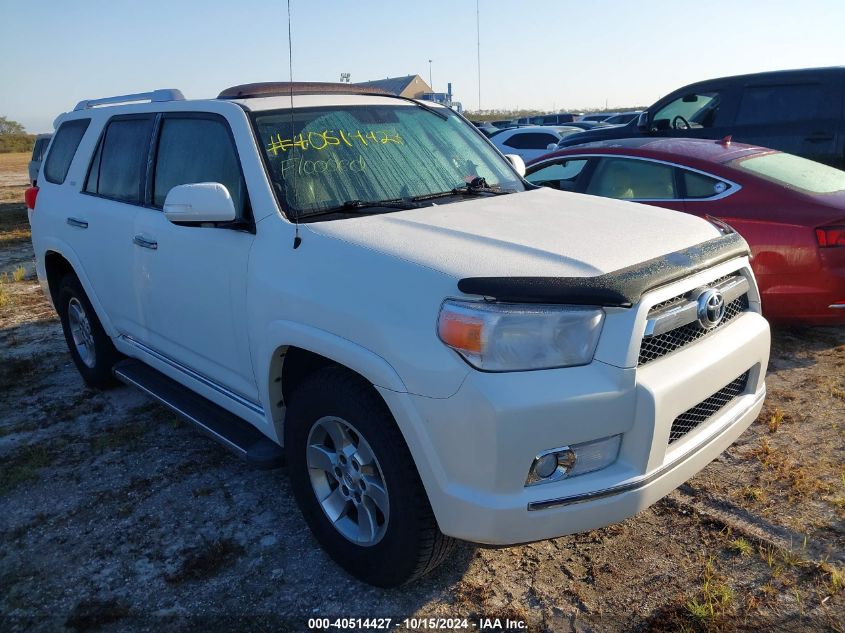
396, 535
89, 345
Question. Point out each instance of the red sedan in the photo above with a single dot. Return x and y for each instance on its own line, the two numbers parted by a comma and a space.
790, 210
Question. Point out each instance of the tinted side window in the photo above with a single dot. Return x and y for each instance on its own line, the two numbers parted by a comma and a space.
196, 150
121, 159
562, 175
64, 147
530, 140
780, 104
700, 186
630, 179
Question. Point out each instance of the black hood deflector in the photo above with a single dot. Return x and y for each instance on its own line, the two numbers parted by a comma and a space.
620, 288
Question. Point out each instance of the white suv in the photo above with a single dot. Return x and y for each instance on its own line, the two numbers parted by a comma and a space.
442, 350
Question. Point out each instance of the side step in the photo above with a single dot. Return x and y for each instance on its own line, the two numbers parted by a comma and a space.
236, 434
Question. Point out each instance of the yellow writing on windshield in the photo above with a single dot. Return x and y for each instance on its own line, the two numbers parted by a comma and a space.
332, 165
328, 138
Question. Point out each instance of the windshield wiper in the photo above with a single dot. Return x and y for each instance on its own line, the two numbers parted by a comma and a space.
476, 186
362, 206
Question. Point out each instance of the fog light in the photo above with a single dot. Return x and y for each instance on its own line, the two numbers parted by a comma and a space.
570, 461
546, 465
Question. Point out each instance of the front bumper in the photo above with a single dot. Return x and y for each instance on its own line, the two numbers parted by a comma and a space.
473, 450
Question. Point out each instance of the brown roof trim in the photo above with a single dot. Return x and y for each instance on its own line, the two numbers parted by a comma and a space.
284, 88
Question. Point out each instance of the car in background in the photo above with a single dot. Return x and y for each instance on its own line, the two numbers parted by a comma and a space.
598, 116
586, 125
504, 124
562, 118
623, 118
796, 111
531, 141
790, 210
485, 128
39, 151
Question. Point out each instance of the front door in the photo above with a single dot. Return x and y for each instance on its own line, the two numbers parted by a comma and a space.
191, 281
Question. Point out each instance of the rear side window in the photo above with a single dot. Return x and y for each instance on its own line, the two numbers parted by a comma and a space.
700, 186
66, 142
38, 149
194, 150
530, 140
780, 104
121, 160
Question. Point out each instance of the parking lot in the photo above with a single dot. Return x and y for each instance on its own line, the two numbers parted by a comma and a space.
114, 513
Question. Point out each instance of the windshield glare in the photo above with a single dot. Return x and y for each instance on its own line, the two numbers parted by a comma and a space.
328, 156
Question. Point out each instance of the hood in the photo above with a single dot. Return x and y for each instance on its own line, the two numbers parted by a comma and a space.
536, 233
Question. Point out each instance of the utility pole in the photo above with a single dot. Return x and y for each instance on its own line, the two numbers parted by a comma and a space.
478, 43
430, 82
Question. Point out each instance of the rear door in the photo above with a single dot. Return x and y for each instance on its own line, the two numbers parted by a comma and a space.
103, 221
798, 117
191, 281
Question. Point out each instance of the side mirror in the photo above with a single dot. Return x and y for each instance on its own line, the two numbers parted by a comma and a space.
199, 202
551, 147
642, 121
517, 162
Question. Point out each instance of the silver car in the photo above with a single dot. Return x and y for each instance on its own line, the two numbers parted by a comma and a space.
39, 151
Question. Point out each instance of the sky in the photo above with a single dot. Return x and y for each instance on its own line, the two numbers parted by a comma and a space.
541, 54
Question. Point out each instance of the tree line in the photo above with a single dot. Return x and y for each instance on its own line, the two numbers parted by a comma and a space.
13, 137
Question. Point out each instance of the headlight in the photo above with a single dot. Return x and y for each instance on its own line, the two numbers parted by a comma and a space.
518, 337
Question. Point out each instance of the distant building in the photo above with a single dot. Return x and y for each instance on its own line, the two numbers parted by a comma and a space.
411, 86
414, 87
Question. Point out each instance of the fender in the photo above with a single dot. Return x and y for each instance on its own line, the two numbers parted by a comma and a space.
51, 244
343, 351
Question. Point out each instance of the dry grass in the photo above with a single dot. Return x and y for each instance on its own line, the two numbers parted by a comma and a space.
14, 161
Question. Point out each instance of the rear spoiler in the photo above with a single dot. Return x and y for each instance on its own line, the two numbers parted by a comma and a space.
621, 288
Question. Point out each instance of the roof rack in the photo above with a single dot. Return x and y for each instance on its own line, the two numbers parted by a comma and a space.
285, 88
164, 94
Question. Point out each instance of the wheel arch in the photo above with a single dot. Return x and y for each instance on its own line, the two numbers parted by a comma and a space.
58, 263
294, 350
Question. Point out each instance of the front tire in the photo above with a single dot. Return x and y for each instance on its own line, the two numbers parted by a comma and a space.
355, 481
89, 345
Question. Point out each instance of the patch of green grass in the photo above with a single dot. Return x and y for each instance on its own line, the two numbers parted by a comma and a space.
715, 601
741, 546
23, 466
126, 435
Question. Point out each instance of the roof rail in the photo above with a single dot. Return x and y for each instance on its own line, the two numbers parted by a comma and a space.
164, 94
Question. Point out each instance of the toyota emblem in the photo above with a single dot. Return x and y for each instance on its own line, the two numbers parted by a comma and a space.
711, 308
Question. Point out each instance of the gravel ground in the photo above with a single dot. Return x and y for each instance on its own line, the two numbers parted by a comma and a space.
117, 516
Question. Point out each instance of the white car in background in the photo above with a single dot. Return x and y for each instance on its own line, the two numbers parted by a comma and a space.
532, 141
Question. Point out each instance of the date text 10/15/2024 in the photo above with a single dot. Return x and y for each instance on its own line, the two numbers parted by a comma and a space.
418, 624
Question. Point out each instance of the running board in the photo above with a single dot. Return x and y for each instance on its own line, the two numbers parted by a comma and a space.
234, 433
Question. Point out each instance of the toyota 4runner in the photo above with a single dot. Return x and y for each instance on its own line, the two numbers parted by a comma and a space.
362, 285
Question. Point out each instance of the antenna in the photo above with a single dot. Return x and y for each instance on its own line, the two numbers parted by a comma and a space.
296, 240
478, 44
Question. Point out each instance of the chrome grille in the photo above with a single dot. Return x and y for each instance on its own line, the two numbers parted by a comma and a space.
656, 346
706, 409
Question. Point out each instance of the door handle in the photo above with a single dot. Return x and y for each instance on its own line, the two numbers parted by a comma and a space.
819, 138
80, 224
145, 242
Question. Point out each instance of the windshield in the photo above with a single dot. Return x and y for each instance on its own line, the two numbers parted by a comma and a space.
329, 156
793, 171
